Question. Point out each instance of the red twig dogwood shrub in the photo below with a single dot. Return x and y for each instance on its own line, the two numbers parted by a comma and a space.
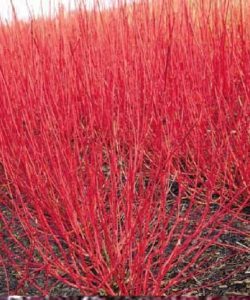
124, 147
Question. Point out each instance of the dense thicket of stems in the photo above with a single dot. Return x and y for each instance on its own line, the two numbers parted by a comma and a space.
124, 146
